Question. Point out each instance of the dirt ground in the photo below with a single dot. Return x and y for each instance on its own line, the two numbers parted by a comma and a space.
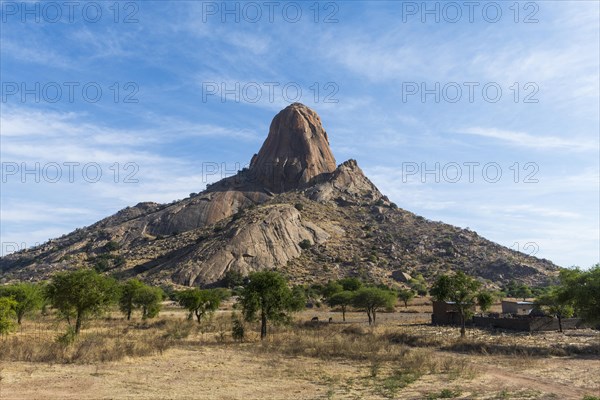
235, 371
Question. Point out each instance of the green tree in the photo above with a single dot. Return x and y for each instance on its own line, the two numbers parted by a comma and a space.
581, 289
7, 315
556, 303
268, 297
332, 288
350, 284
418, 284
233, 279
523, 291
149, 299
373, 299
80, 294
127, 298
135, 294
485, 300
343, 299
28, 297
200, 302
406, 295
460, 289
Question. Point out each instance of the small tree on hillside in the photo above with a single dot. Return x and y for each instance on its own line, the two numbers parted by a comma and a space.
268, 297
200, 302
460, 289
343, 300
373, 299
80, 294
331, 288
350, 284
28, 297
406, 295
523, 291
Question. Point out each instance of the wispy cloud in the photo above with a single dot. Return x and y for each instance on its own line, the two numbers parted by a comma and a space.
523, 139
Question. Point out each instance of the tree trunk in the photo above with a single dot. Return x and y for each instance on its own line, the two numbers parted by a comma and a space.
369, 315
129, 314
19, 318
344, 314
78, 323
462, 326
263, 325
559, 323
198, 316
374, 316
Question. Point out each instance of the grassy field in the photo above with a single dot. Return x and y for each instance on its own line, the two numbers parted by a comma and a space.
402, 357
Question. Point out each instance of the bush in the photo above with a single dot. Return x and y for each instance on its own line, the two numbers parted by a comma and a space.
237, 330
305, 244
299, 206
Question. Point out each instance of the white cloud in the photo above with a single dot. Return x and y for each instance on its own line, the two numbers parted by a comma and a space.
523, 139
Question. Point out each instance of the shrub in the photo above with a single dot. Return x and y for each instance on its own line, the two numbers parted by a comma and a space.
299, 206
305, 244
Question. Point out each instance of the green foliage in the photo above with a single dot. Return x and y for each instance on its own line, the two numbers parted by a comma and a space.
373, 299
111, 246
200, 302
460, 289
332, 288
581, 289
127, 298
68, 337
406, 295
149, 299
305, 244
343, 300
351, 284
299, 206
556, 303
418, 284
444, 394
485, 300
268, 296
237, 328
7, 315
81, 294
28, 297
233, 279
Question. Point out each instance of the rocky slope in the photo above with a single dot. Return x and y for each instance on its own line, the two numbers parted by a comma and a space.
294, 210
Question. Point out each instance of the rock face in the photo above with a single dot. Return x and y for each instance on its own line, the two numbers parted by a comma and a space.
293, 210
271, 240
295, 152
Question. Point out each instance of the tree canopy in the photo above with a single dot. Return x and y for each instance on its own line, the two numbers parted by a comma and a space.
268, 297
81, 293
200, 302
28, 298
460, 289
373, 299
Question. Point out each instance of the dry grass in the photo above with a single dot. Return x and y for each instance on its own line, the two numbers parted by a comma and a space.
336, 360
108, 340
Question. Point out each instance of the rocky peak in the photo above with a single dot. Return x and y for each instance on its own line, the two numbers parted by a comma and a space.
295, 152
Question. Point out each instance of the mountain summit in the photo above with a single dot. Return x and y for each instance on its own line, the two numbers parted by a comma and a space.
295, 152
293, 210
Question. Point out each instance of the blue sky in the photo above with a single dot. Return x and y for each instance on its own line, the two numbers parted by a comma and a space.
415, 92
